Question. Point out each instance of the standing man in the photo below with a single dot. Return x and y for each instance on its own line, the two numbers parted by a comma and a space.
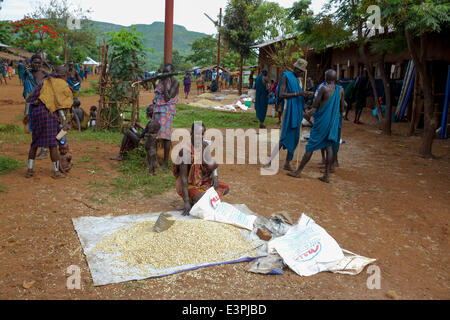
187, 85
293, 103
47, 102
21, 71
74, 80
2, 72
324, 133
200, 84
166, 97
31, 79
251, 79
262, 98
349, 96
361, 92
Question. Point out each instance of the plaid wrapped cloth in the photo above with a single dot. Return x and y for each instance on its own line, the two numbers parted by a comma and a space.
45, 124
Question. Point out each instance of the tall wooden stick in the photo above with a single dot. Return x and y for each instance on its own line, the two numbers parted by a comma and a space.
301, 123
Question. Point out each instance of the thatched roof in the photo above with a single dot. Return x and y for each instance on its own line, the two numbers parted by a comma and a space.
8, 56
20, 52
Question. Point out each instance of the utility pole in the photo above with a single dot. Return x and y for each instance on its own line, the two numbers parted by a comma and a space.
219, 25
218, 50
168, 32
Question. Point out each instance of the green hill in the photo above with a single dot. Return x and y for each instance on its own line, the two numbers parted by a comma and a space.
154, 38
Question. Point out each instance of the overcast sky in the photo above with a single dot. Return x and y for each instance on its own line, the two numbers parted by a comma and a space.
188, 13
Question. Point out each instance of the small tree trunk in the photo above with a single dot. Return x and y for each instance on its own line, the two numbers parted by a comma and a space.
387, 92
414, 112
425, 82
371, 75
240, 75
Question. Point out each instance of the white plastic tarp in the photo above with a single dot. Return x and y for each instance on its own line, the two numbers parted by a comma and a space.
107, 270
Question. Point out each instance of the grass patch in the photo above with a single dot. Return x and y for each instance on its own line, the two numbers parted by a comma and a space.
135, 177
2, 188
97, 200
90, 91
85, 159
11, 133
97, 184
10, 128
186, 115
8, 164
92, 151
108, 137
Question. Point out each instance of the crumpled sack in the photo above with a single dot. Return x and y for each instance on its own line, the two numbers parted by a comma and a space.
271, 264
307, 248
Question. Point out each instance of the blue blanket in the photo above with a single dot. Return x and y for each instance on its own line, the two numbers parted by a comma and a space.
293, 115
325, 130
71, 82
262, 99
28, 86
28, 83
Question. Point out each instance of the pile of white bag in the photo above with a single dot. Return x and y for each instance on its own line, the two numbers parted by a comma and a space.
305, 247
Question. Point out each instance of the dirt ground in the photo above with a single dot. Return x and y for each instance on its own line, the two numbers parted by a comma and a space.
383, 202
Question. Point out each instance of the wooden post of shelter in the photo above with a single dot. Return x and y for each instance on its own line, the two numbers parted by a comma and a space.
102, 105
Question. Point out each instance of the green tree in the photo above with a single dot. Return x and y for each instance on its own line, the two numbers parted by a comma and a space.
179, 62
272, 21
5, 32
342, 22
126, 61
204, 51
77, 43
31, 30
238, 30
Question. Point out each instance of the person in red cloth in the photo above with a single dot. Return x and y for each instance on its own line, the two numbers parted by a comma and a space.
194, 178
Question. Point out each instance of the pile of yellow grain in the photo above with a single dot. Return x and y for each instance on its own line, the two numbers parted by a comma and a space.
187, 242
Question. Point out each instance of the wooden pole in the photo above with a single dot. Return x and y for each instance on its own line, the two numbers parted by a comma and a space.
65, 48
168, 32
301, 124
102, 87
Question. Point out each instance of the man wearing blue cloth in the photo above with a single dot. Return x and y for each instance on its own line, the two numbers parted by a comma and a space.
262, 98
292, 99
328, 106
31, 79
74, 80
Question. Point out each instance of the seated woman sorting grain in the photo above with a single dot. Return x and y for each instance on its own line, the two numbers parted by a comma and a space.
194, 178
